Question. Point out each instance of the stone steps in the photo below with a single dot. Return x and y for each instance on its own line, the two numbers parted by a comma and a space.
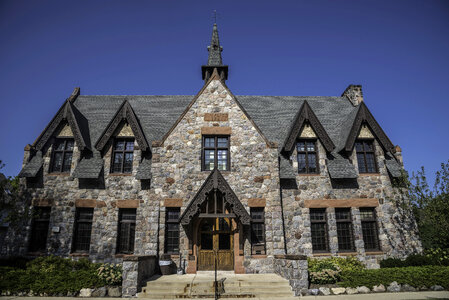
202, 286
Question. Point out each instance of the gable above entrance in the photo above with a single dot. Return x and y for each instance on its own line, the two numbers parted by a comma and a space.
215, 181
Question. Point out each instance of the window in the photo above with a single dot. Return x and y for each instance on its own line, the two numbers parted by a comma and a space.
122, 156
39, 229
318, 224
126, 230
62, 156
215, 153
172, 230
369, 228
257, 230
83, 229
365, 156
344, 229
307, 156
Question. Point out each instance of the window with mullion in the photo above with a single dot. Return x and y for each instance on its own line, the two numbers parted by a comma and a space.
126, 230
257, 230
318, 224
172, 230
215, 153
39, 230
344, 229
122, 156
307, 156
369, 228
62, 155
83, 229
366, 158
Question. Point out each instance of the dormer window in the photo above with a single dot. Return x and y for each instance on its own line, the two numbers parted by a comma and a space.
307, 156
122, 156
62, 155
366, 158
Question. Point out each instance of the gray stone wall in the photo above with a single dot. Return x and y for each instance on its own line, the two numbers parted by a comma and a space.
294, 269
136, 272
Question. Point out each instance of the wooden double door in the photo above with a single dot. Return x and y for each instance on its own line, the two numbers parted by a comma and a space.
216, 238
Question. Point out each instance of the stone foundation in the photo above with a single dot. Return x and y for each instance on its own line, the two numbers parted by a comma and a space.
136, 272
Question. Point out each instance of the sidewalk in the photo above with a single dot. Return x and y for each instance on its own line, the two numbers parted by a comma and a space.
379, 296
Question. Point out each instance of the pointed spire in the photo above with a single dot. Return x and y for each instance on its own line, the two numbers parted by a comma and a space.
214, 49
214, 60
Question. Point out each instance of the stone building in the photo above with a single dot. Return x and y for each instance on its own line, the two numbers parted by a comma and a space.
250, 179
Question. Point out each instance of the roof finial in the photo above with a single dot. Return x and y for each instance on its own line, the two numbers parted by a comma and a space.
214, 59
215, 16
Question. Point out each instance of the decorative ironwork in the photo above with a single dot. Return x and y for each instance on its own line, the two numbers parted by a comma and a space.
304, 114
364, 115
125, 112
215, 181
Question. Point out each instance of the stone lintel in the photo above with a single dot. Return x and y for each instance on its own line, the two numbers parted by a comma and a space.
172, 202
42, 202
86, 203
323, 203
127, 203
156, 143
215, 117
215, 130
257, 202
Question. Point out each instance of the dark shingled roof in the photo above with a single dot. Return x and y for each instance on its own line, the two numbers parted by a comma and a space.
286, 170
393, 167
33, 166
340, 168
144, 169
89, 168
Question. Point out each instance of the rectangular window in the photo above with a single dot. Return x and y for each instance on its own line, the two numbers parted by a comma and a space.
122, 156
318, 224
126, 230
83, 229
62, 156
307, 156
215, 153
172, 230
369, 228
366, 158
344, 229
39, 229
257, 230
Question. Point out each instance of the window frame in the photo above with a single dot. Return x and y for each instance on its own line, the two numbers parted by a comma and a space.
78, 220
351, 229
364, 152
123, 152
258, 222
41, 215
56, 141
326, 228
215, 149
307, 153
127, 248
372, 220
168, 249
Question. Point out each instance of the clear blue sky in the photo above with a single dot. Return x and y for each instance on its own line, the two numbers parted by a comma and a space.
398, 51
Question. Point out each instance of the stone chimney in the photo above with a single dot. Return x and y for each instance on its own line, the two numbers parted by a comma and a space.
397, 152
354, 94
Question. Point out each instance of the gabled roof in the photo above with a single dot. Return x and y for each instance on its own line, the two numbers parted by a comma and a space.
89, 167
393, 167
215, 181
306, 114
286, 170
125, 112
76, 121
33, 166
341, 168
144, 169
365, 116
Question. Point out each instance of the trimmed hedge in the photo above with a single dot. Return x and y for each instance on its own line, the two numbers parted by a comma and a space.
431, 257
52, 275
414, 276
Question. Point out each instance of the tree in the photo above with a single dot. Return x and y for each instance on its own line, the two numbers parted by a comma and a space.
431, 207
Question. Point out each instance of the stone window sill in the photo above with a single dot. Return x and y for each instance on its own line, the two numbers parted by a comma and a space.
369, 174
120, 174
307, 175
58, 174
259, 256
122, 255
322, 254
79, 254
374, 253
347, 253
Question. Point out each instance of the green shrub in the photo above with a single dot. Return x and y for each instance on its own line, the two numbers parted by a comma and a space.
52, 275
414, 276
439, 256
392, 263
328, 270
14, 261
110, 273
431, 257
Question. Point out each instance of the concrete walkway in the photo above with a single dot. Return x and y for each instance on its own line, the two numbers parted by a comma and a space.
380, 296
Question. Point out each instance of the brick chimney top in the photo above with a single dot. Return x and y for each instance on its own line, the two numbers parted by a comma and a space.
354, 94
